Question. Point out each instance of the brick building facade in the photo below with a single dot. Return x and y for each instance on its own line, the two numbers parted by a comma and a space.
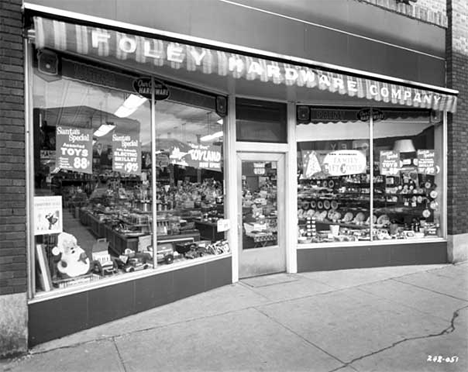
450, 14
457, 78
13, 246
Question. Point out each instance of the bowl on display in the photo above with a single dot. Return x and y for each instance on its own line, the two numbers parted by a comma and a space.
319, 205
334, 204
326, 204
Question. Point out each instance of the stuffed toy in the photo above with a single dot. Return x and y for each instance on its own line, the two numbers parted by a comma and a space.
73, 260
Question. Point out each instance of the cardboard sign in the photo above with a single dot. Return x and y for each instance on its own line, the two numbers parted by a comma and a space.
74, 149
389, 163
426, 162
344, 162
197, 156
48, 217
127, 154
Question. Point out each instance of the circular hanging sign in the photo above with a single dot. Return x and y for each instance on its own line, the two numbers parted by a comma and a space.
142, 86
364, 114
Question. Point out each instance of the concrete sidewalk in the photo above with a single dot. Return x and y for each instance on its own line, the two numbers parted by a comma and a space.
378, 319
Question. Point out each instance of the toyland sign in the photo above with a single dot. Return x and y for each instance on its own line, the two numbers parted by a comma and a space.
109, 45
197, 156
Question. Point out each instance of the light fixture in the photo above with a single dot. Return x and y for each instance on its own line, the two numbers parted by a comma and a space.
206, 138
211, 137
104, 129
217, 135
404, 145
220, 121
130, 105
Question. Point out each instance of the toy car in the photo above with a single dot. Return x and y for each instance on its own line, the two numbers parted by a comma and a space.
103, 264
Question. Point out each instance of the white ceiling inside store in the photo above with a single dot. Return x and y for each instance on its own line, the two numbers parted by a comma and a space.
71, 103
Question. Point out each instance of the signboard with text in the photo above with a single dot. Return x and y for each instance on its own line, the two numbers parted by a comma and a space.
48, 215
74, 149
389, 163
333, 163
197, 156
127, 154
426, 162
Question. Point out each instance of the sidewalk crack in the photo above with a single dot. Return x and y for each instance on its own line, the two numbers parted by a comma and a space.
118, 353
446, 331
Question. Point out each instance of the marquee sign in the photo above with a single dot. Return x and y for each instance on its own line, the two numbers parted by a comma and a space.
108, 45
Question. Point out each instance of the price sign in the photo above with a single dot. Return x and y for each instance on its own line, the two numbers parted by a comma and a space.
74, 149
389, 163
127, 154
426, 162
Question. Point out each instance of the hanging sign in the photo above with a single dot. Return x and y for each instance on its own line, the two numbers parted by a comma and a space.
344, 162
365, 114
334, 163
48, 215
127, 153
74, 149
142, 86
426, 162
389, 163
197, 156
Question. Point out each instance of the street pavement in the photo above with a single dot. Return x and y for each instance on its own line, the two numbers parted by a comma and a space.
406, 318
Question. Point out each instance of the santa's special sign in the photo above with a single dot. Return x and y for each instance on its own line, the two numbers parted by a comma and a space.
74, 149
127, 154
389, 163
426, 162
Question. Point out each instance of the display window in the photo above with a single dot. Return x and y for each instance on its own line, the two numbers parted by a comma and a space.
369, 179
96, 178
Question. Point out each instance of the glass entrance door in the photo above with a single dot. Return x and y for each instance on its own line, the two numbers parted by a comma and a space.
261, 218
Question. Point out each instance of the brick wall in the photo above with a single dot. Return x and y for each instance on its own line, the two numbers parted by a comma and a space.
431, 11
13, 264
457, 78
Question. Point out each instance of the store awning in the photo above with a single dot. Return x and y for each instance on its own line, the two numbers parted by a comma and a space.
112, 46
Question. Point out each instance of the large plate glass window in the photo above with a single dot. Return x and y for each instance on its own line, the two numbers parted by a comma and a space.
93, 175
408, 192
333, 177
341, 198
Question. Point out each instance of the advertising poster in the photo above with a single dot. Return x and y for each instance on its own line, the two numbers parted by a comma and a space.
197, 156
389, 163
74, 149
127, 153
426, 162
48, 215
333, 163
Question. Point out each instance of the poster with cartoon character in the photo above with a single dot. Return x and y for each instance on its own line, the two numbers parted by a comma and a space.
48, 215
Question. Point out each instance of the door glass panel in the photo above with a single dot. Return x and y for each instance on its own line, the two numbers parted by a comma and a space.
259, 204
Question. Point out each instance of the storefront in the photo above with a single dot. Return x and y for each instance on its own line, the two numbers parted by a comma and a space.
162, 167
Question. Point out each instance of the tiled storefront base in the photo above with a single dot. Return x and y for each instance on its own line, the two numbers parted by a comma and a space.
55, 318
351, 257
458, 248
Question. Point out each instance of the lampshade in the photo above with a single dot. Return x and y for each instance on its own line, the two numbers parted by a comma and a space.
404, 145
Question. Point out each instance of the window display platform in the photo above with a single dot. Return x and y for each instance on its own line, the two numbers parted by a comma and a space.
371, 255
58, 317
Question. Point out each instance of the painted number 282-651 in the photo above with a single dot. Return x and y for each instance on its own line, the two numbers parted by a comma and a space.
440, 359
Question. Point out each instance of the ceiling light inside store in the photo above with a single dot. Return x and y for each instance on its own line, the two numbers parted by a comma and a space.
217, 135
211, 137
130, 105
220, 121
103, 130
